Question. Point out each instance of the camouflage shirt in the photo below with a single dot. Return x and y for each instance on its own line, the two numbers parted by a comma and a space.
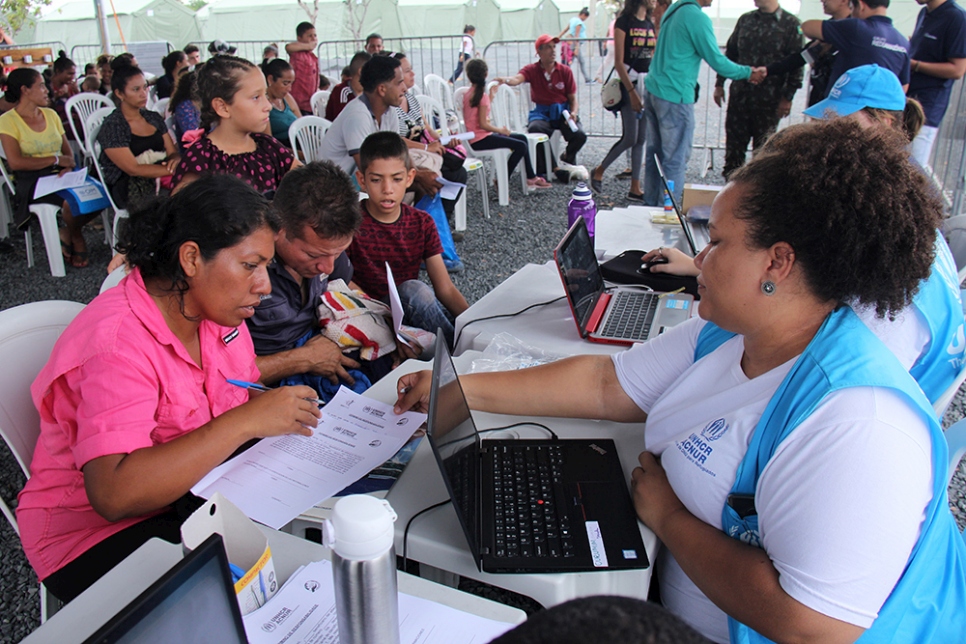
760, 38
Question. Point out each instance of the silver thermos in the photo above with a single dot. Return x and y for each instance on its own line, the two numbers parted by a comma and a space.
360, 534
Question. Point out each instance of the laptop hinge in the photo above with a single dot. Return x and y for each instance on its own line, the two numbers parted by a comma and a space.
597, 313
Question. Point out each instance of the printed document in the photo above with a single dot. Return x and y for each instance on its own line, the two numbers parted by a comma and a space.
303, 612
281, 477
53, 183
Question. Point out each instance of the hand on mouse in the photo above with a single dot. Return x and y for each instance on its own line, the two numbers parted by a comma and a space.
675, 262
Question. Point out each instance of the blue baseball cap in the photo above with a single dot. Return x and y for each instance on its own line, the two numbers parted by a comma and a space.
866, 86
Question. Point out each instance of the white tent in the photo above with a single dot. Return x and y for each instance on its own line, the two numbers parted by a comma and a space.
527, 19
74, 23
430, 17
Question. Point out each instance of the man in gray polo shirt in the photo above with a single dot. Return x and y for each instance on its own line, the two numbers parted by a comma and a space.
319, 209
383, 86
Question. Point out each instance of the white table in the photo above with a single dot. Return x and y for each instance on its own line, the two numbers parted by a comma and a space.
436, 539
94, 607
552, 327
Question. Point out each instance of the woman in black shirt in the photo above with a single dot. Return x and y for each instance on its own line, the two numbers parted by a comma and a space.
634, 42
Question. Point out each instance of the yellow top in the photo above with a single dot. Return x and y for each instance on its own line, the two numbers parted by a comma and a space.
34, 144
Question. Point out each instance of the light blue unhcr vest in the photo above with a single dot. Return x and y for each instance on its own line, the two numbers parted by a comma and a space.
928, 604
939, 302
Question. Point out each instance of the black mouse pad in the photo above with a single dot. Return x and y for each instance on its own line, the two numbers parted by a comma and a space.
626, 269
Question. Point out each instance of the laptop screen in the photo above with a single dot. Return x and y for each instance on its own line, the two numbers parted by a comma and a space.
455, 442
193, 602
580, 270
684, 222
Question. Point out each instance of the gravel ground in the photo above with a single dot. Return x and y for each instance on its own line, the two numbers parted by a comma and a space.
525, 231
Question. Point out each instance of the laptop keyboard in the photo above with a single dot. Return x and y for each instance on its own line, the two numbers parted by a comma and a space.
530, 519
630, 315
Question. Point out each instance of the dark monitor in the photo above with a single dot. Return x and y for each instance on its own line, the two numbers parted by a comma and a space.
684, 222
193, 603
455, 442
578, 265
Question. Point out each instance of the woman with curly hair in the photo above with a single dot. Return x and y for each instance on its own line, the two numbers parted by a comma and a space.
134, 405
776, 495
926, 336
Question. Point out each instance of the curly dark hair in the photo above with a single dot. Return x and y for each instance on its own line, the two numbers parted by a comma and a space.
320, 195
861, 218
216, 212
220, 78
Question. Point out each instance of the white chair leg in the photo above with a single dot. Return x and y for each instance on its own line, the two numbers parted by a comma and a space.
484, 191
502, 181
108, 228
29, 240
47, 215
459, 212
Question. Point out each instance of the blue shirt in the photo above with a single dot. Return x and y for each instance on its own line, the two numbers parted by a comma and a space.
940, 35
572, 31
864, 42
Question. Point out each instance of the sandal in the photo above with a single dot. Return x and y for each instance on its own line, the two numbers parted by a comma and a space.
634, 197
596, 185
626, 174
67, 250
80, 259
538, 183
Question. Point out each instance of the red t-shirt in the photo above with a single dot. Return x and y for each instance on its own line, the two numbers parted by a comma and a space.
547, 89
338, 99
405, 244
305, 64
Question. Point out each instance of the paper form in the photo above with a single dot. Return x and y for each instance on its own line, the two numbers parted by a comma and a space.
303, 612
281, 477
459, 136
450, 189
53, 183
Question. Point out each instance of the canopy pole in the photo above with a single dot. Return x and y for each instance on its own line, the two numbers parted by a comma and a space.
102, 26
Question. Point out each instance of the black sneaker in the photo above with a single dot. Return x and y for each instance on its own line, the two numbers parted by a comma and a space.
625, 174
562, 176
635, 198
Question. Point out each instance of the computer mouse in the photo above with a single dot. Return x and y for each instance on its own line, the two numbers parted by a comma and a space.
646, 266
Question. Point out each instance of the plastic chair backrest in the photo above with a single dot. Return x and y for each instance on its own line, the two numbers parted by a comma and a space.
3, 170
306, 134
161, 107
439, 89
27, 336
93, 126
458, 100
319, 101
501, 106
84, 104
434, 116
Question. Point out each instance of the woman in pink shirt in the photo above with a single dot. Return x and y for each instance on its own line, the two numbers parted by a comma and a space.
476, 115
134, 403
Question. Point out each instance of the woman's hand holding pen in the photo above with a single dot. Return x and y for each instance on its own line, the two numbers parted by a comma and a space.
284, 410
412, 392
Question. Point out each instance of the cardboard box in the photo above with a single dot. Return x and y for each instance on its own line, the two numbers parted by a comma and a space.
245, 544
698, 194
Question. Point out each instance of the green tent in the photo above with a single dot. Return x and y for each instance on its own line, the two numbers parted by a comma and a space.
485, 16
74, 23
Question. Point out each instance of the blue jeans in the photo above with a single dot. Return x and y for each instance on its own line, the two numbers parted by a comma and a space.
670, 131
422, 310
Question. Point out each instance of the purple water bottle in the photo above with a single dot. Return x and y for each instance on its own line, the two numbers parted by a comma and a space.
582, 205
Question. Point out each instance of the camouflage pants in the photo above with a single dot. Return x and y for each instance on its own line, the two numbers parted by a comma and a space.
750, 117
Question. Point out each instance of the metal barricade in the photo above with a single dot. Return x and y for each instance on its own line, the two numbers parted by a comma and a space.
427, 54
252, 50
948, 159
83, 54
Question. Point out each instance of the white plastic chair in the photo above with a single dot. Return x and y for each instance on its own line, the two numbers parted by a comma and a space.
507, 102
499, 157
81, 106
113, 278
438, 89
306, 134
47, 216
93, 127
161, 107
319, 101
27, 336
433, 114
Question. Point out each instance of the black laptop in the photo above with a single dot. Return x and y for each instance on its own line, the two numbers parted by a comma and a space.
531, 505
192, 603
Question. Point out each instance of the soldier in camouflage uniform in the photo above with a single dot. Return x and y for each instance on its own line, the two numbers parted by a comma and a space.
760, 36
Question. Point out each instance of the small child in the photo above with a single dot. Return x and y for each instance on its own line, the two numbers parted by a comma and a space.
301, 54
403, 236
466, 52
91, 83
476, 115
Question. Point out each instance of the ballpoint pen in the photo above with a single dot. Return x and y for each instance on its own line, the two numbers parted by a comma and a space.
257, 387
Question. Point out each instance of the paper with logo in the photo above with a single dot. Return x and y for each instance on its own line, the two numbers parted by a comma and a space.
281, 477
408, 335
303, 612
51, 184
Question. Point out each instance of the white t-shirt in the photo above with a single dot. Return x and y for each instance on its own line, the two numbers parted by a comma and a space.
467, 46
840, 503
907, 336
350, 129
